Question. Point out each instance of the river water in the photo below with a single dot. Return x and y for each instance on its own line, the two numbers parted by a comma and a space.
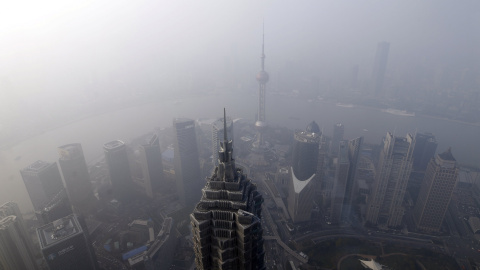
291, 112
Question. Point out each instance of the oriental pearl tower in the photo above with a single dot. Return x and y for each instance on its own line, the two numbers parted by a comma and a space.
262, 78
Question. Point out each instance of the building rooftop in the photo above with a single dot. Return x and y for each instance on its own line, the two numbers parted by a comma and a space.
307, 137
70, 151
37, 166
447, 155
58, 231
7, 221
313, 128
113, 144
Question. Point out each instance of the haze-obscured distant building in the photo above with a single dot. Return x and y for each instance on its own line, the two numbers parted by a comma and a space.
186, 162
379, 68
226, 224
76, 177
119, 169
65, 245
354, 148
152, 166
391, 178
303, 172
338, 131
425, 147
436, 192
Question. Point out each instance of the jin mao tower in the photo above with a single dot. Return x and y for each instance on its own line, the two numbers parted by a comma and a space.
226, 224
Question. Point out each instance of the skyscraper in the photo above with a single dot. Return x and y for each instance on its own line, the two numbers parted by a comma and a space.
354, 147
436, 192
14, 230
119, 168
338, 131
379, 67
217, 135
340, 183
15, 245
76, 177
65, 245
262, 78
425, 147
152, 166
303, 172
58, 207
44, 182
186, 162
391, 178
226, 225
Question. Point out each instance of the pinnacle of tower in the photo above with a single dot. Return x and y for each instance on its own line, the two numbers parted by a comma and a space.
262, 76
226, 166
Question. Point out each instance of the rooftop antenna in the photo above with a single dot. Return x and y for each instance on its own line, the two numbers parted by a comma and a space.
225, 126
263, 46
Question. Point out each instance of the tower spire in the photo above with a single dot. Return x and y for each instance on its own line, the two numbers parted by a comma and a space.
263, 47
225, 139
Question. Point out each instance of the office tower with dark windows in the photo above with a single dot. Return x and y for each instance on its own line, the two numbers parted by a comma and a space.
303, 172
436, 191
342, 166
425, 147
76, 177
354, 147
44, 186
65, 245
217, 135
379, 68
186, 162
151, 165
391, 178
226, 223
119, 169
338, 131
15, 245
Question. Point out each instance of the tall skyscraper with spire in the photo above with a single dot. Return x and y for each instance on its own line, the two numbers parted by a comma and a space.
262, 78
226, 223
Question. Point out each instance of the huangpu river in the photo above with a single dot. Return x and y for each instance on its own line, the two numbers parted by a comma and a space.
295, 113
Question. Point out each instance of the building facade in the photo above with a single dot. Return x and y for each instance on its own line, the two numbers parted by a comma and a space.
15, 245
44, 184
342, 167
152, 165
226, 223
186, 162
65, 245
436, 192
391, 179
303, 172
354, 148
76, 177
119, 168
425, 147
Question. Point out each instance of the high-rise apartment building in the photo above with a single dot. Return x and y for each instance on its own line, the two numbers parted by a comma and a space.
186, 162
76, 177
303, 172
65, 245
151, 165
425, 147
342, 167
217, 136
380, 67
119, 168
391, 179
226, 224
15, 245
44, 184
436, 192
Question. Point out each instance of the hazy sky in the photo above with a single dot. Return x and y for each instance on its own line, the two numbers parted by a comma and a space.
55, 47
